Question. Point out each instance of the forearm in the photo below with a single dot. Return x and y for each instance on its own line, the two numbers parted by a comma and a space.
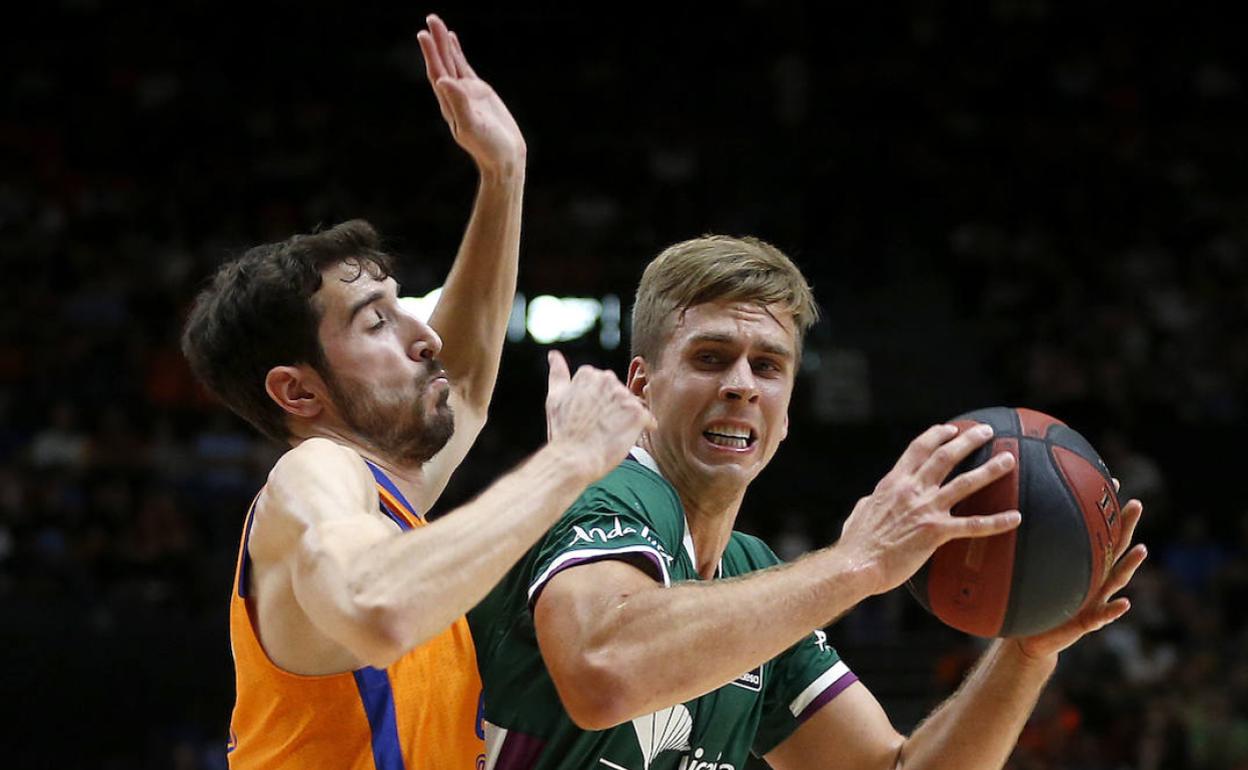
666, 632
405, 590
472, 313
979, 726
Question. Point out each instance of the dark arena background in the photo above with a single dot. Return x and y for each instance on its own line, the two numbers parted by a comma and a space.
1016, 202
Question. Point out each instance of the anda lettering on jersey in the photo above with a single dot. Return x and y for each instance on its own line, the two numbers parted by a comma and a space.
598, 534
604, 535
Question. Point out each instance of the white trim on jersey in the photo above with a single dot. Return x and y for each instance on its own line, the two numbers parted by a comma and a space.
812, 691
598, 553
495, 737
646, 459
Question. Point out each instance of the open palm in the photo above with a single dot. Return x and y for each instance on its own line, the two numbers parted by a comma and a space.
479, 120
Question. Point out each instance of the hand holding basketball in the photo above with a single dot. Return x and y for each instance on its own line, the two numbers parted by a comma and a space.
1105, 609
894, 530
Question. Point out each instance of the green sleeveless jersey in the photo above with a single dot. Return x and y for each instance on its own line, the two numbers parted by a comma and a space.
633, 514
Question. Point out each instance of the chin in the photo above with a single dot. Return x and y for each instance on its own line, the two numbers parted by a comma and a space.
729, 470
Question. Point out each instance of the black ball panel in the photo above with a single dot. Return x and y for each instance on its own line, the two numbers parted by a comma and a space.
1052, 563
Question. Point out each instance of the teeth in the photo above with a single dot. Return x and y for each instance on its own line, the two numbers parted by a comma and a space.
730, 436
729, 431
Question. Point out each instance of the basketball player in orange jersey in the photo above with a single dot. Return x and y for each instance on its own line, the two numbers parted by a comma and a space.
347, 616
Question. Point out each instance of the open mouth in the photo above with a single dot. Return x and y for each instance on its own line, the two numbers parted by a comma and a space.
730, 436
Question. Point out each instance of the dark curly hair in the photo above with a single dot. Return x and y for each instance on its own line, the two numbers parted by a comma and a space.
257, 313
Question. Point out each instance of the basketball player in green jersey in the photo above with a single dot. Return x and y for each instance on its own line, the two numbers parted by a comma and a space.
643, 633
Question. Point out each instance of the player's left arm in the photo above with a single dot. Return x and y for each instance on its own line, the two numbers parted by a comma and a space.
977, 727
471, 315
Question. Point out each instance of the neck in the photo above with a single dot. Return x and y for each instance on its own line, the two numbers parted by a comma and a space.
710, 504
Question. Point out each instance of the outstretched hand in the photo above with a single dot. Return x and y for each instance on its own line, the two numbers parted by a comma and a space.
479, 120
1105, 609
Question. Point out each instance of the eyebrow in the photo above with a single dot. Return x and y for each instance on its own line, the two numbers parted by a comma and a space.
724, 339
367, 300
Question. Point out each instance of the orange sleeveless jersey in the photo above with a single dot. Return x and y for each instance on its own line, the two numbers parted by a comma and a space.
423, 711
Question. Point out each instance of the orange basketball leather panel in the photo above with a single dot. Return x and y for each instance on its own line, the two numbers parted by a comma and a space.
1035, 424
1101, 512
969, 579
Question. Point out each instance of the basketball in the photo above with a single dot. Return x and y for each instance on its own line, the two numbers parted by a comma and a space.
1039, 575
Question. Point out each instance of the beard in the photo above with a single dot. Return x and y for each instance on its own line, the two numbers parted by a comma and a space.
396, 424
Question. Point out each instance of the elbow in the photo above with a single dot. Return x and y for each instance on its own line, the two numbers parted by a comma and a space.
387, 627
357, 617
386, 633
596, 692
379, 641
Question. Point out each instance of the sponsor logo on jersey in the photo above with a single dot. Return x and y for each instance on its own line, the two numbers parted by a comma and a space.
603, 536
751, 680
665, 730
821, 641
654, 541
598, 534
700, 760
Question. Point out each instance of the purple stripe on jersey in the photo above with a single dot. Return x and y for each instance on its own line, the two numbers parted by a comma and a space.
822, 699
244, 567
378, 699
519, 752
652, 559
390, 486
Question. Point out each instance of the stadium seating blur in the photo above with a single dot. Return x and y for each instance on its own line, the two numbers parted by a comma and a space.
1023, 204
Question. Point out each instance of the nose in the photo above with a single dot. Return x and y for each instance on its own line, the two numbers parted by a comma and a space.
739, 383
424, 343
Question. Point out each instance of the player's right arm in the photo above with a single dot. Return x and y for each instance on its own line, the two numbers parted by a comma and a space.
618, 645
369, 593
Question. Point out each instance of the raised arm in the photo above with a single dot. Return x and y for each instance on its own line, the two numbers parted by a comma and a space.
471, 315
339, 586
980, 724
618, 645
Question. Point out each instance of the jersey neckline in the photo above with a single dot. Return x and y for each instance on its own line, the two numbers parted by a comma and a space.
647, 461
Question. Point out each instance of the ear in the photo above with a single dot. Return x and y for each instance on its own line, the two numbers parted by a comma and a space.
638, 377
784, 429
296, 389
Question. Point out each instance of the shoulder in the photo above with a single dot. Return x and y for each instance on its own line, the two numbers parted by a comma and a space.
317, 454
633, 490
634, 484
316, 464
316, 480
748, 553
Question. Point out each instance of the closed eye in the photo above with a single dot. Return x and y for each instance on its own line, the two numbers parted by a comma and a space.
381, 321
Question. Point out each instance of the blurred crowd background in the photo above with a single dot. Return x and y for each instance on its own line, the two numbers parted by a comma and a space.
1015, 202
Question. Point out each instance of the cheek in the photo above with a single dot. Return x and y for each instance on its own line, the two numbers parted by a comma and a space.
685, 399
778, 411
380, 361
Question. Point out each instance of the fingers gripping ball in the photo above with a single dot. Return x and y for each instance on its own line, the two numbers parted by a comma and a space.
1041, 574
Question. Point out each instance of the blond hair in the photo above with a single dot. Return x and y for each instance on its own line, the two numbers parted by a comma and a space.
716, 268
